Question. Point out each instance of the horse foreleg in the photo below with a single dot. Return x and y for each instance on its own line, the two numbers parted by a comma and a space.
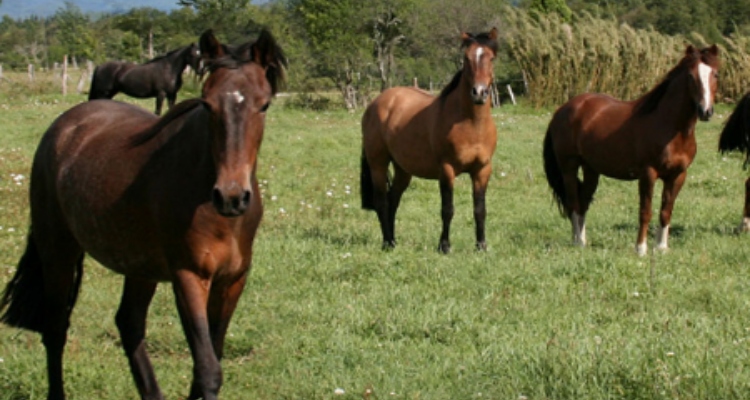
191, 294
646, 193
221, 306
131, 322
446, 209
669, 194
480, 181
159, 102
745, 224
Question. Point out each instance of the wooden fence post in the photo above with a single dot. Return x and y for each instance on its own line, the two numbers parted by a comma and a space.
416, 84
65, 75
512, 96
31, 72
1, 72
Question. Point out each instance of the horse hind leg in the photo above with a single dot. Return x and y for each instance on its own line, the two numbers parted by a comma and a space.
573, 207
41, 296
586, 190
131, 322
745, 223
400, 183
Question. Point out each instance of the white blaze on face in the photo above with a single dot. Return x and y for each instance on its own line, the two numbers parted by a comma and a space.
239, 98
479, 53
704, 71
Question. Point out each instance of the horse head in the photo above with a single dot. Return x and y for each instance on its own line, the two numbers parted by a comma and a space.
479, 52
704, 66
193, 58
237, 94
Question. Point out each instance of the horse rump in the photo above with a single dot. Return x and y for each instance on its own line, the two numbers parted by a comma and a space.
736, 132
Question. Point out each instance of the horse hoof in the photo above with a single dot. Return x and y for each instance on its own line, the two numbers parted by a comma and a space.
444, 248
388, 245
641, 249
481, 246
744, 226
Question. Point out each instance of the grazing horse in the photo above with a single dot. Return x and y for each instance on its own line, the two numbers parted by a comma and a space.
645, 139
736, 136
161, 77
433, 138
155, 199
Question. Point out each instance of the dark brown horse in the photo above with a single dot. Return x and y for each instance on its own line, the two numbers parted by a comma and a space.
736, 137
161, 77
157, 200
433, 138
645, 139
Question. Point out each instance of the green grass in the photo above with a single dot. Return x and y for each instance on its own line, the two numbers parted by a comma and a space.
534, 317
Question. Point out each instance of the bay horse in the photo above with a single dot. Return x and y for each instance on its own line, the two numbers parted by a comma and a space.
736, 137
172, 199
652, 137
160, 77
432, 138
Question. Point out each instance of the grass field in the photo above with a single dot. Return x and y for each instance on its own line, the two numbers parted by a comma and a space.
326, 314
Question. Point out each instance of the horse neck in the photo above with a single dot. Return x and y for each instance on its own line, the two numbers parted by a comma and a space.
677, 104
178, 60
469, 110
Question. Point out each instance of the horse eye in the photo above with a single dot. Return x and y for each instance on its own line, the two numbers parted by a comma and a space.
265, 107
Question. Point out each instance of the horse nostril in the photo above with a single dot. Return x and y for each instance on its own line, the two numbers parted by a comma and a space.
217, 199
246, 198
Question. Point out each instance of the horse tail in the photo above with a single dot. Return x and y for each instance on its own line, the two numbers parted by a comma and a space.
553, 173
365, 183
23, 301
736, 132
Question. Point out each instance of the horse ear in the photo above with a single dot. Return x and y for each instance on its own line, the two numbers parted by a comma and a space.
714, 50
210, 47
690, 50
493, 34
266, 52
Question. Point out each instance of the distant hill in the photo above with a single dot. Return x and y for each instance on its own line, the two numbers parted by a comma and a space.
44, 8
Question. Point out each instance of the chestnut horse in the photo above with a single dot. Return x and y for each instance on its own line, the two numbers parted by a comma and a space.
736, 136
645, 139
173, 199
433, 138
160, 77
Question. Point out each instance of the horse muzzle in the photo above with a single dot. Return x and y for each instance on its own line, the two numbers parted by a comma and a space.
479, 94
705, 114
232, 202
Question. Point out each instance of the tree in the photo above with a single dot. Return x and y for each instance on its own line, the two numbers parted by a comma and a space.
386, 35
337, 34
74, 34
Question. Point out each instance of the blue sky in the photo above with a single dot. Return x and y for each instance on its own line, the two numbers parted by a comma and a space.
44, 8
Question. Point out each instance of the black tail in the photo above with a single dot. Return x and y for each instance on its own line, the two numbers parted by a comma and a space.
554, 176
23, 300
736, 133
94, 89
365, 184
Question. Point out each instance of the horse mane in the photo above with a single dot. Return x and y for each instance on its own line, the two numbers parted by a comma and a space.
175, 112
650, 101
736, 132
166, 55
482, 39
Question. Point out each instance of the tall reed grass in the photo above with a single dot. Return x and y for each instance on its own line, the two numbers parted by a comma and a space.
560, 60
